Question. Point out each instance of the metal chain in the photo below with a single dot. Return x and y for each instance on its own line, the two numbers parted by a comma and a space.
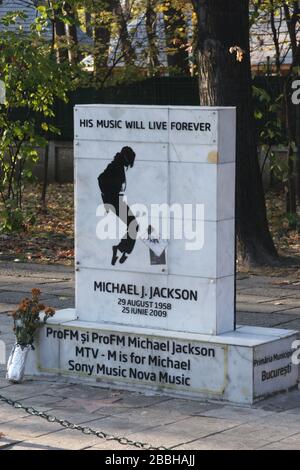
84, 429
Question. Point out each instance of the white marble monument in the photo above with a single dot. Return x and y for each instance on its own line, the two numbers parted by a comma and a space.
157, 312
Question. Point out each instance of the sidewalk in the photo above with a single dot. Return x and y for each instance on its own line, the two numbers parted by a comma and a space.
160, 421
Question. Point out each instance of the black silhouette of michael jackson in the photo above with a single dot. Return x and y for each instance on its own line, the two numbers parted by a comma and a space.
112, 184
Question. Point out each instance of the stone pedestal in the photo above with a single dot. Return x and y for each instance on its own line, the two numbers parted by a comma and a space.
243, 366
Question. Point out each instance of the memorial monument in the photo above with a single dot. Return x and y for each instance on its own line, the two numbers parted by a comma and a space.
155, 262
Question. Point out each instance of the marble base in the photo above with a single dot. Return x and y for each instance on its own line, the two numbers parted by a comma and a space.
242, 366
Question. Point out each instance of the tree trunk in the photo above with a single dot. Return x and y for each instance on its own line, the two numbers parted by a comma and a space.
291, 14
291, 202
176, 41
151, 20
275, 34
71, 31
127, 49
226, 81
101, 48
60, 33
45, 177
291, 199
88, 26
297, 126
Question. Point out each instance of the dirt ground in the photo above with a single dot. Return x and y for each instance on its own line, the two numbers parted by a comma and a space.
50, 237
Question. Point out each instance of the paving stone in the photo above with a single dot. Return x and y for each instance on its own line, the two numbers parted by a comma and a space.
76, 416
262, 281
6, 319
242, 297
67, 439
266, 291
291, 288
240, 288
126, 399
22, 283
9, 344
103, 401
60, 302
295, 293
263, 319
8, 347
260, 431
245, 436
137, 400
8, 338
286, 303
283, 419
188, 430
16, 280
11, 297
57, 271
42, 402
32, 278
291, 312
52, 287
59, 291
3, 382
290, 325
26, 389
31, 446
262, 307
288, 402
152, 417
291, 443
172, 410
238, 414
9, 413
293, 410
270, 292
4, 308
241, 276
211, 444
89, 405
6, 328
120, 426
6, 443
112, 445
106, 409
76, 391
27, 427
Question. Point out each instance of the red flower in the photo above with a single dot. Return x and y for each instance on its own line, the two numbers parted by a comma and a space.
49, 311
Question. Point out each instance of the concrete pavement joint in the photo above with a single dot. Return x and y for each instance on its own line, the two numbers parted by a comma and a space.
208, 435
279, 440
